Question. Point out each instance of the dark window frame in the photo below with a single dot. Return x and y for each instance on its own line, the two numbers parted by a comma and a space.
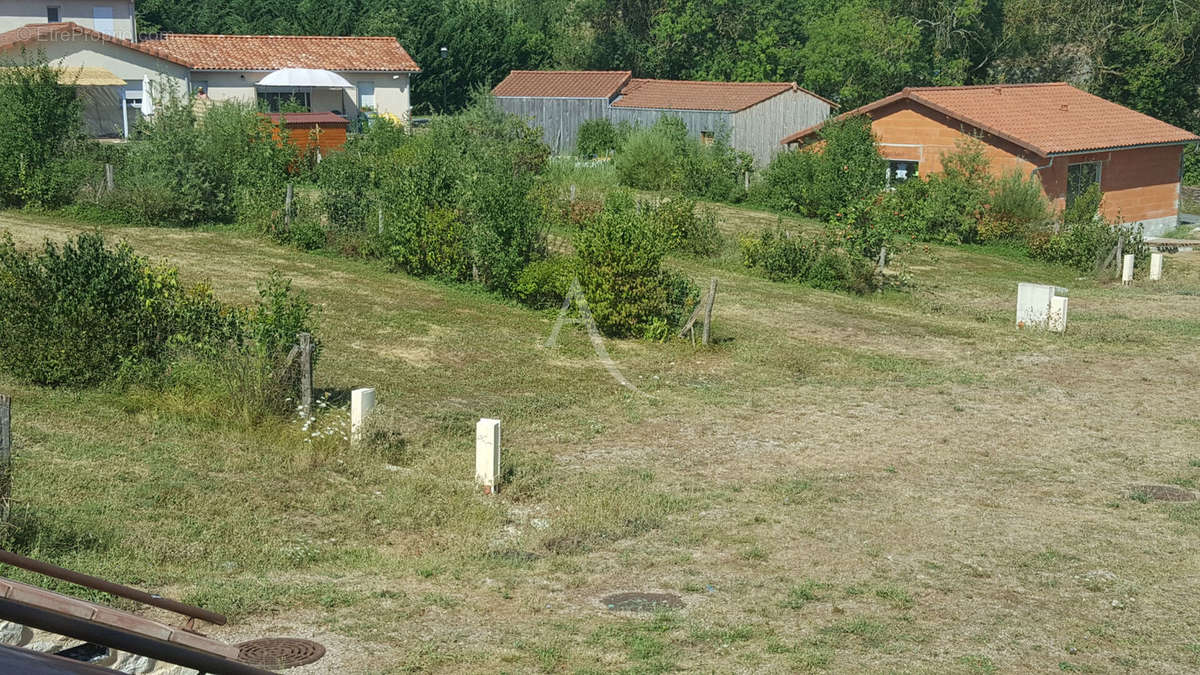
1078, 185
914, 170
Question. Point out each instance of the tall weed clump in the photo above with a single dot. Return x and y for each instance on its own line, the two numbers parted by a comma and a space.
41, 130
621, 251
815, 260
665, 157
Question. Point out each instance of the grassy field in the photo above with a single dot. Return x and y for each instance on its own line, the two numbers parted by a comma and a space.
898, 482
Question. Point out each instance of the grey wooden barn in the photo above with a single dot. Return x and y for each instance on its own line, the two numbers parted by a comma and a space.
755, 115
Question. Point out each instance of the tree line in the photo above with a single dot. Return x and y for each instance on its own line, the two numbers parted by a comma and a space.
1141, 53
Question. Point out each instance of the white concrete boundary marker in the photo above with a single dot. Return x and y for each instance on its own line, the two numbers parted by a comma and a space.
1127, 269
1058, 314
1156, 262
487, 454
362, 402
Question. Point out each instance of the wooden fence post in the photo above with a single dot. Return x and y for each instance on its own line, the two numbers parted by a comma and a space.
287, 209
1119, 257
712, 297
882, 257
306, 373
5, 457
109, 183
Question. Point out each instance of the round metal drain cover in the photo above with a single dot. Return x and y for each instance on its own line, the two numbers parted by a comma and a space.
642, 602
1164, 493
280, 652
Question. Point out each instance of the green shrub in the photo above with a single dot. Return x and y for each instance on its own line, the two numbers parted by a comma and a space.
786, 184
844, 168
462, 200
82, 314
628, 291
664, 157
544, 283
1018, 208
345, 183
1085, 240
786, 256
596, 138
76, 314
688, 228
40, 137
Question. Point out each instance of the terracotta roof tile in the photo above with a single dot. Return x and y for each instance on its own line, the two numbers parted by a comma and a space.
272, 52
1047, 119
690, 95
44, 32
563, 83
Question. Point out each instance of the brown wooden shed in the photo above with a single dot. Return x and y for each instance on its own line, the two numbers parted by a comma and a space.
325, 130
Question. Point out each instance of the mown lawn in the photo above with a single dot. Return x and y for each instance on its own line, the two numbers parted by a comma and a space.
893, 482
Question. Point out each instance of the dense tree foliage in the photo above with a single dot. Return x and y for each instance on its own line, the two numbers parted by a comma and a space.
1138, 52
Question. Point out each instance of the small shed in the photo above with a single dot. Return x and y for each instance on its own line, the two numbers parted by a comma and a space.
323, 130
558, 101
753, 114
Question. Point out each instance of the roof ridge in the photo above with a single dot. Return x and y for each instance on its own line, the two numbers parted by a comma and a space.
568, 70
165, 36
761, 83
1007, 85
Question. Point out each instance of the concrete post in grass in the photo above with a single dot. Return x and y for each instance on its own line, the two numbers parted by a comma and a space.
1058, 315
362, 402
1156, 262
572, 193
109, 183
487, 454
1037, 302
882, 258
1127, 269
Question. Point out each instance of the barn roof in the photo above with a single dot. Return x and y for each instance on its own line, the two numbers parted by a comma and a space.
695, 95
563, 83
1047, 119
272, 52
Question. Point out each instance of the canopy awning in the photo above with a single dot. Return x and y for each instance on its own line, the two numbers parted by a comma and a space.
304, 77
87, 76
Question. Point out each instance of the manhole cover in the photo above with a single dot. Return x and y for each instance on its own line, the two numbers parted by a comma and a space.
280, 652
1164, 493
642, 602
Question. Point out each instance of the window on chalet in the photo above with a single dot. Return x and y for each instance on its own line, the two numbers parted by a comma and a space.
289, 101
1080, 177
900, 170
707, 137
53, 14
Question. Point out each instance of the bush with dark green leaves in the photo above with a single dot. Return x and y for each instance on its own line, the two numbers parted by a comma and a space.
82, 313
620, 269
462, 201
600, 137
41, 133
842, 169
545, 283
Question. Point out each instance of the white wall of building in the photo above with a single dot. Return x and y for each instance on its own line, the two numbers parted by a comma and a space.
391, 90
17, 13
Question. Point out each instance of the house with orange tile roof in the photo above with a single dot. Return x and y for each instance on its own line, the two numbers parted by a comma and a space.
753, 114
1071, 139
224, 67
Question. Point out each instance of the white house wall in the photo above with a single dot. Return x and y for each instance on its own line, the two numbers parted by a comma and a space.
391, 94
17, 13
759, 128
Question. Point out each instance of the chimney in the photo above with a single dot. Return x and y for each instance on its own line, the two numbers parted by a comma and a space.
999, 90
1063, 107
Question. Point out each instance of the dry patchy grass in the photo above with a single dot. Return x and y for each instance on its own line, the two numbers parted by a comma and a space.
893, 482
